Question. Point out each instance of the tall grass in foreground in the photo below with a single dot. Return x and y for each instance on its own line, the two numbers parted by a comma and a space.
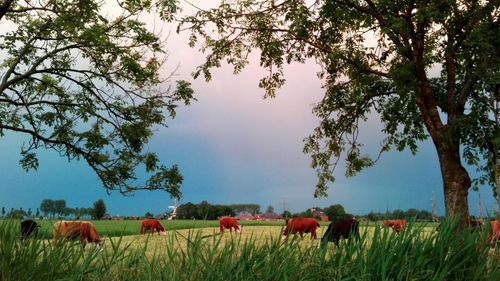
382, 255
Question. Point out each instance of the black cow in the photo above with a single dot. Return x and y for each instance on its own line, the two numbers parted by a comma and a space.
29, 228
341, 229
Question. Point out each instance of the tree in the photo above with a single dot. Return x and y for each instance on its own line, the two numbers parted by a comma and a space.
286, 214
59, 207
148, 215
3, 211
187, 211
47, 206
29, 212
412, 213
16, 214
37, 214
88, 84
335, 212
375, 56
99, 209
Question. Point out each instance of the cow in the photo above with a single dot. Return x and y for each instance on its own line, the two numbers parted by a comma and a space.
82, 230
152, 225
229, 223
29, 228
494, 234
301, 226
338, 229
396, 225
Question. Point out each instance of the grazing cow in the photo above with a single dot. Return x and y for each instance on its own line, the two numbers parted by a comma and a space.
82, 230
396, 225
301, 226
153, 225
229, 223
29, 228
341, 229
494, 235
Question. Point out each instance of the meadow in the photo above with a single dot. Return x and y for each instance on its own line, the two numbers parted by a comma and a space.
195, 250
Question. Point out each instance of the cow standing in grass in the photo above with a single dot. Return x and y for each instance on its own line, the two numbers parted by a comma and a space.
152, 225
229, 223
29, 228
301, 226
339, 229
396, 225
82, 230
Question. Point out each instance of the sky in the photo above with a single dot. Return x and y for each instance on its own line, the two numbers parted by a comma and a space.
232, 146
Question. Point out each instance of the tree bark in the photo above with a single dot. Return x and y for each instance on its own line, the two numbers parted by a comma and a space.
456, 182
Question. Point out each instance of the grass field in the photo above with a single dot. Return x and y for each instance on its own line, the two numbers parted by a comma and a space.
196, 250
115, 228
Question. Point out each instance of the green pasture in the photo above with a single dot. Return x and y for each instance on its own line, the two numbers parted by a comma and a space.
196, 250
116, 228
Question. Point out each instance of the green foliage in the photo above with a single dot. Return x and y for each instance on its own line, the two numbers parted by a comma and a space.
335, 212
99, 209
376, 59
16, 214
203, 211
87, 84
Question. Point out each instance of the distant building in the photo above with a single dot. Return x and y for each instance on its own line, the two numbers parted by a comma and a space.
244, 217
319, 214
268, 216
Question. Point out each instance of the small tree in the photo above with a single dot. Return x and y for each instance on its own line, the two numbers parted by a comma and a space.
335, 212
286, 214
148, 215
59, 207
29, 212
47, 206
270, 209
37, 212
99, 209
3, 211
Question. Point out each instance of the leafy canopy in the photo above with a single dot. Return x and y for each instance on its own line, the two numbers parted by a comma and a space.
84, 78
377, 58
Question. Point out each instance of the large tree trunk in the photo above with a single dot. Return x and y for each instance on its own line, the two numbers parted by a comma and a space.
456, 182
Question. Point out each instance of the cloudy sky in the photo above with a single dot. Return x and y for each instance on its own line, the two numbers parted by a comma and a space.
233, 146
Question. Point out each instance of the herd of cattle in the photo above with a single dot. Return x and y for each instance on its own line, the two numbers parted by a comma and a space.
339, 229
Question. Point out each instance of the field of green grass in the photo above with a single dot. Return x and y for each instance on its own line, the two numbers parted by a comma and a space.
196, 250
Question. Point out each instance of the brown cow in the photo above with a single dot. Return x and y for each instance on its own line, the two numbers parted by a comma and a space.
229, 223
396, 225
494, 234
153, 225
301, 226
83, 230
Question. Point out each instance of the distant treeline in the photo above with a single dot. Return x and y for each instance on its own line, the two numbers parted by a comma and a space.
412, 213
58, 209
203, 211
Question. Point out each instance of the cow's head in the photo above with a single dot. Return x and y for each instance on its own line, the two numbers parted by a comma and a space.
100, 244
